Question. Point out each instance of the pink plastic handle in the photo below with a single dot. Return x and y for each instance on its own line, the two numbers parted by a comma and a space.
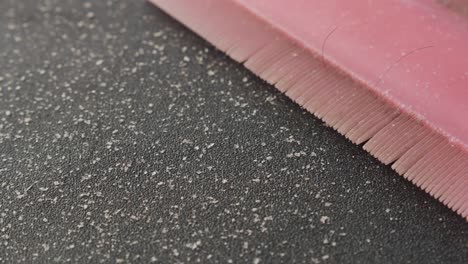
413, 53
393, 73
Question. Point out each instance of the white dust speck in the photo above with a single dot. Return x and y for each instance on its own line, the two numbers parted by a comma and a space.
187, 141
325, 219
296, 154
193, 245
46, 247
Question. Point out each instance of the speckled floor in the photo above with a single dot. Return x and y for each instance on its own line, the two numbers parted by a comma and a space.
126, 138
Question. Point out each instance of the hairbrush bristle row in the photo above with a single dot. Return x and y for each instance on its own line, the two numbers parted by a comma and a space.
415, 150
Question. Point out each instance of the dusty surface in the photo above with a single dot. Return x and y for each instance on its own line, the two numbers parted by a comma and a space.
126, 138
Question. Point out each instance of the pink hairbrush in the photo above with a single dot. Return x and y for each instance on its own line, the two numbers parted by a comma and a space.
391, 74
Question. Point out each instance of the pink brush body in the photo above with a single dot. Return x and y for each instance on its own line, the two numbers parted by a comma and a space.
393, 74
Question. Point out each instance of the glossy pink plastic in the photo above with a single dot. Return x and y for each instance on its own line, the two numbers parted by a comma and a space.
392, 73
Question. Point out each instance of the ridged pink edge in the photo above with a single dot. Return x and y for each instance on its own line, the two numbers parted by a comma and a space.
388, 73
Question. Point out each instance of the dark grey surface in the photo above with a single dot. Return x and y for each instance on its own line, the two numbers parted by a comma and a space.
126, 138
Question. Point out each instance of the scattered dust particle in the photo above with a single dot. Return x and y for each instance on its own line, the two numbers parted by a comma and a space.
296, 154
46, 247
186, 141
134, 217
325, 219
194, 245
99, 62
